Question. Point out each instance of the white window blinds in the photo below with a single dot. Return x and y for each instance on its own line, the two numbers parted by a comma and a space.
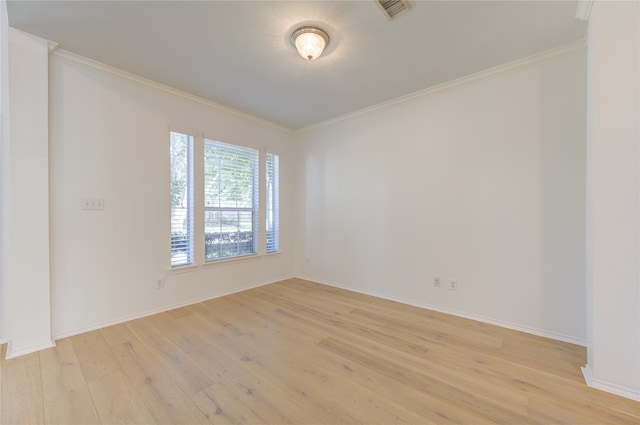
181, 156
272, 202
230, 200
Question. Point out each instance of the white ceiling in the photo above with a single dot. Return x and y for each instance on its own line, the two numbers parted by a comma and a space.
238, 53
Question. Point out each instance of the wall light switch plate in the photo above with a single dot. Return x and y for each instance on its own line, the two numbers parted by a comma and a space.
88, 204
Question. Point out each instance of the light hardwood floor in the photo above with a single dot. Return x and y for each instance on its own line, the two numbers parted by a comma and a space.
297, 352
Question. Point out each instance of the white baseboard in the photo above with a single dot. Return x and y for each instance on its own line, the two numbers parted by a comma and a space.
503, 324
608, 387
13, 352
162, 309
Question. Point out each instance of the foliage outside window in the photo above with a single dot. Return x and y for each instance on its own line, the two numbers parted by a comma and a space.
230, 200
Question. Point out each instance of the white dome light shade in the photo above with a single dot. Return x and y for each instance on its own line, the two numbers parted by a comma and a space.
309, 41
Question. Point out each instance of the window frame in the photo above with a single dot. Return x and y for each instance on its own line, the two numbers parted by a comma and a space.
255, 196
198, 197
274, 196
189, 194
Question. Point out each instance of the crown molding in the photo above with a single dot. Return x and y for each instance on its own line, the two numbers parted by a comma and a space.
142, 81
583, 10
566, 50
52, 46
539, 58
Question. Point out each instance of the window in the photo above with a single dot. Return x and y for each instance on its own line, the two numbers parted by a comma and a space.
230, 200
181, 154
273, 219
233, 193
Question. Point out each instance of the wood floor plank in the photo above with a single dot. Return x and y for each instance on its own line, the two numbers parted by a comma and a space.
357, 398
447, 324
275, 364
408, 399
562, 360
439, 415
66, 395
94, 355
22, 390
224, 406
265, 397
114, 398
174, 360
522, 368
315, 357
299, 352
117, 402
558, 358
166, 402
461, 405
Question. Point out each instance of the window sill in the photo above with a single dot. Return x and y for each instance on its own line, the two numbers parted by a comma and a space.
232, 260
224, 262
183, 269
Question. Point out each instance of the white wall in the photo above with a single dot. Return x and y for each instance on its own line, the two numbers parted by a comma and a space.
613, 248
25, 209
482, 182
109, 139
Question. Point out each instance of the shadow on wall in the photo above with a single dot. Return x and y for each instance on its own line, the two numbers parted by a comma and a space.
563, 177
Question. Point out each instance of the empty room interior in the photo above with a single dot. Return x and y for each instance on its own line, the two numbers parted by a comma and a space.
320, 212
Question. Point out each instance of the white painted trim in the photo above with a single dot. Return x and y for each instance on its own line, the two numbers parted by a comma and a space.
502, 324
566, 50
52, 46
228, 261
583, 10
223, 262
11, 353
183, 269
586, 372
608, 387
90, 63
165, 308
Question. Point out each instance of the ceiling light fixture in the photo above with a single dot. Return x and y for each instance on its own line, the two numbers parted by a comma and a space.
310, 41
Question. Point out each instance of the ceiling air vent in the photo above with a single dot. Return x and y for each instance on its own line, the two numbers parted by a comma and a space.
393, 8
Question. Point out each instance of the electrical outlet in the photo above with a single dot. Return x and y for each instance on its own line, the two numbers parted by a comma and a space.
453, 284
436, 282
160, 284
